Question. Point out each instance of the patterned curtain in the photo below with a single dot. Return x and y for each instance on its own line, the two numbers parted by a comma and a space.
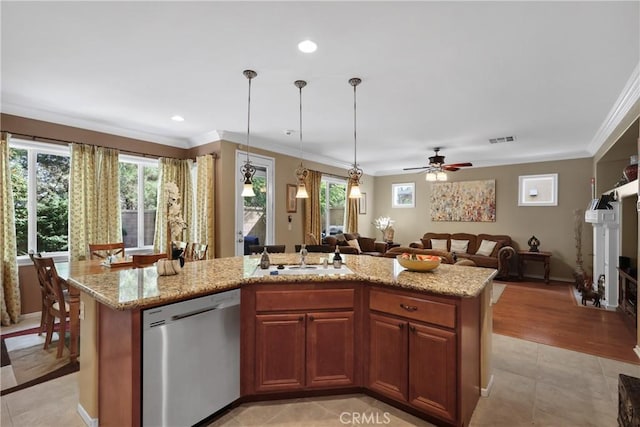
312, 220
94, 199
352, 212
204, 231
178, 172
10, 289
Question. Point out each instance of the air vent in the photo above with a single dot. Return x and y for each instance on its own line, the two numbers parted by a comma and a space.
502, 139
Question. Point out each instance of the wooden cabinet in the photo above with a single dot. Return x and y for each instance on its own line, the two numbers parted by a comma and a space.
280, 347
414, 354
432, 370
304, 339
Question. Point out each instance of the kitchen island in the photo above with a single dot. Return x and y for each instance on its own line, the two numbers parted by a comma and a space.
445, 314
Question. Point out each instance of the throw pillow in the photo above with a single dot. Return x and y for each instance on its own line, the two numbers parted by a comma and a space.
367, 244
459, 246
439, 244
355, 244
486, 247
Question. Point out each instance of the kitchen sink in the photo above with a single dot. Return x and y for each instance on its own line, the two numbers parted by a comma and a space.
299, 270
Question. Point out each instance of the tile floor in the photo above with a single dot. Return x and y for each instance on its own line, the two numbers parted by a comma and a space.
534, 385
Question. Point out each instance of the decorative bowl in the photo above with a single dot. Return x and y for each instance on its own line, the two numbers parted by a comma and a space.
418, 265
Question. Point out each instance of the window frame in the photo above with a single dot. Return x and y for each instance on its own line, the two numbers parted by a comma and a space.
140, 162
333, 180
33, 149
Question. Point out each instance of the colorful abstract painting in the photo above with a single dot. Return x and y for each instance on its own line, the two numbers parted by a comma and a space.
465, 201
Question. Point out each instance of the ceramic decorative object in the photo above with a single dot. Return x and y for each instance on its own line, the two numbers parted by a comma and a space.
533, 244
631, 172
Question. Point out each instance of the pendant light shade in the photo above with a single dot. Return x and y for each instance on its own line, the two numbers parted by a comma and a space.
301, 171
355, 173
248, 170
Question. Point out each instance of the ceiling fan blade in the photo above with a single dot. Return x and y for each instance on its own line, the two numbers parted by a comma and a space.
410, 169
459, 165
450, 168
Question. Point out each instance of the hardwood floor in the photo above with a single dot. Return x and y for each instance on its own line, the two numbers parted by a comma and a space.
549, 314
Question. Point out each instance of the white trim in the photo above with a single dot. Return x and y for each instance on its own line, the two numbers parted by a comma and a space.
49, 116
486, 391
90, 422
636, 350
625, 102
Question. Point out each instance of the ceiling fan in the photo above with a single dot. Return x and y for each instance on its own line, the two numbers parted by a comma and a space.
436, 164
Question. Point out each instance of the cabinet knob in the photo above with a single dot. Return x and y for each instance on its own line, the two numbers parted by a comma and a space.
412, 328
401, 326
300, 319
408, 307
310, 317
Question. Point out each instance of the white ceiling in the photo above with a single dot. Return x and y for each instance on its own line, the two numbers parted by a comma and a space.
434, 74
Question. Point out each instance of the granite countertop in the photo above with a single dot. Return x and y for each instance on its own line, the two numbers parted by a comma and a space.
142, 287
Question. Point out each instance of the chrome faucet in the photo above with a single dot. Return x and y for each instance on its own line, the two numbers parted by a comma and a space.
303, 256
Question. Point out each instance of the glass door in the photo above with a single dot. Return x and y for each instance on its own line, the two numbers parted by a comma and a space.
254, 215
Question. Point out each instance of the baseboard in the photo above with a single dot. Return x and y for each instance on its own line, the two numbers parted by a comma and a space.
90, 422
636, 350
486, 391
30, 315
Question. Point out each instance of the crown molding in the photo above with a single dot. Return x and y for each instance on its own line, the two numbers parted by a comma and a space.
205, 138
269, 145
626, 101
62, 119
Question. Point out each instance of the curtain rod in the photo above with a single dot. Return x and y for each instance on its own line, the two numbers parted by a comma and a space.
64, 141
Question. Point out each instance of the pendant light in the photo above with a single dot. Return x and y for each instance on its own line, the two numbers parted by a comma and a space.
355, 173
248, 170
301, 171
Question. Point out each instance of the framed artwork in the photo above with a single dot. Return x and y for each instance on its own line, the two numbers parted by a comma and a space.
538, 190
464, 201
362, 204
292, 202
403, 195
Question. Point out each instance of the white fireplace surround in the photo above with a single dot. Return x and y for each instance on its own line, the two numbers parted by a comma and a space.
606, 250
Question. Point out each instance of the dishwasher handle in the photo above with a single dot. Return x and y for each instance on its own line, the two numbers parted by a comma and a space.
194, 312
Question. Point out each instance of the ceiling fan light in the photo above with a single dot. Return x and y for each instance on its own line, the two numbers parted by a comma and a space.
441, 176
431, 176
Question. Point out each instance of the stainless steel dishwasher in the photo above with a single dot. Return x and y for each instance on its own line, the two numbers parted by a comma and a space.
190, 359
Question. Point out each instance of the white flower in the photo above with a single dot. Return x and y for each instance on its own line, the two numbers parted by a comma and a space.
383, 223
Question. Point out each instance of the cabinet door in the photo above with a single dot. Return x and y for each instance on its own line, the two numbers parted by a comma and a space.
388, 356
279, 352
330, 349
432, 370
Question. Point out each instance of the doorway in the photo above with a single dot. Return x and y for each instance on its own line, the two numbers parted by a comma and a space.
254, 215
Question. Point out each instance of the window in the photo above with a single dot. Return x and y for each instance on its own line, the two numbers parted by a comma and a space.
40, 180
138, 200
333, 194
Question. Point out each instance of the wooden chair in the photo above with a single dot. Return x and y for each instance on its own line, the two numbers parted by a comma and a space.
43, 291
146, 259
103, 250
325, 249
197, 252
57, 307
177, 246
272, 249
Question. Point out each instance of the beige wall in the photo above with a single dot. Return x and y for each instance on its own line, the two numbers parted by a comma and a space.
284, 174
553, 225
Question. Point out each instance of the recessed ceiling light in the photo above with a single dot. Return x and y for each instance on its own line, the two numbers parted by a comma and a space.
177, 118
307, 46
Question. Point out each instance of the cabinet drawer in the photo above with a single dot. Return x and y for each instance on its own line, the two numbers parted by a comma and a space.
425, 310
317, 299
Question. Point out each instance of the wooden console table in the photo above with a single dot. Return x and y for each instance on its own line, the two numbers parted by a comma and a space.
541, 256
